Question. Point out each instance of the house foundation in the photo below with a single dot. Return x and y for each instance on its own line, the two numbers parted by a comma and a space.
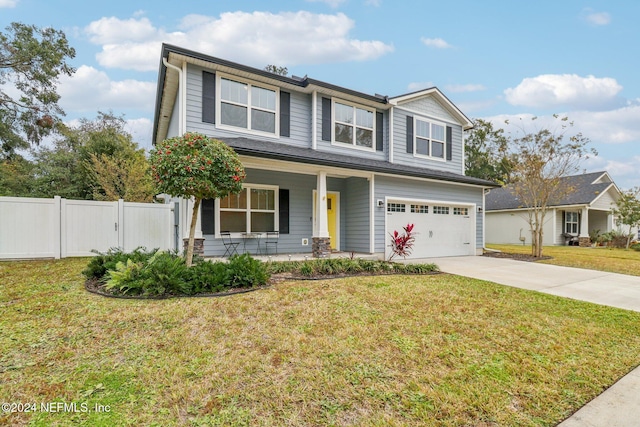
198, 246
321, 247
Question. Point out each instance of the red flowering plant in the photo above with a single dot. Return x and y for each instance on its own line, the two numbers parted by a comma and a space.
402, 243
194, 165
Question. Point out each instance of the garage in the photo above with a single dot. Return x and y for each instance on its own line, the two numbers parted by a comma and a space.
441, 228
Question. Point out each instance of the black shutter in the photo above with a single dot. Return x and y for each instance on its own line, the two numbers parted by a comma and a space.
449, 143
579, 223
410, 134
208, 97
285, 113
326, 119
564, 222
207, 216
379, 132
284, 211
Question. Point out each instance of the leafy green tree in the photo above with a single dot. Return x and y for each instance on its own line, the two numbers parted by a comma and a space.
96, 160
31, 60
541, 159
282, 71
487, 153
16, 176
194, 165
628, 210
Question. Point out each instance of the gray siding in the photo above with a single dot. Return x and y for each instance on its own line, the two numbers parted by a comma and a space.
428, 106
300, 115
400, 155
356, 207
416, 189
605, 202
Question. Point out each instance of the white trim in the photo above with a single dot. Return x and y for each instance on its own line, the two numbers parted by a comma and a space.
372, 213
391, 110
430, 139
249, 107
314, 120
484, 220
353, 145
604, 192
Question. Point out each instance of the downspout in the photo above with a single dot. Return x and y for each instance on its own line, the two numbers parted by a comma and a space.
180, 95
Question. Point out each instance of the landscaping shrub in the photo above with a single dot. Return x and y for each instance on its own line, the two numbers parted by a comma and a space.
208, 277
246, 271
104, 261
346, 266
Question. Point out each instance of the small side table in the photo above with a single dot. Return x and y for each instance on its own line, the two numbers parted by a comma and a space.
252, 236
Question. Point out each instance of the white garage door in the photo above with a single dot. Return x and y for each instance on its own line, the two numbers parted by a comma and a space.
441, 229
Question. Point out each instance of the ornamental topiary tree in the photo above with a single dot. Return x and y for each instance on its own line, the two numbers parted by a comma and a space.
194, 165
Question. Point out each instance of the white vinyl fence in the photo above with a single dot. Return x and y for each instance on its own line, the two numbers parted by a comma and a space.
59, 228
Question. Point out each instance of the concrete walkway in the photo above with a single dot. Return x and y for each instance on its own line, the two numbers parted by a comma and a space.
618, 406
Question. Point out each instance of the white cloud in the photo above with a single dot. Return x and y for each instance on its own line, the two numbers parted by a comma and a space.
8, 3
332, 3
141, 130
106, 94
549, 90
437, 43
465, 88
596, 18
257, 38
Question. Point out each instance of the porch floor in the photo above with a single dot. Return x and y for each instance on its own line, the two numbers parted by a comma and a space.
302, 256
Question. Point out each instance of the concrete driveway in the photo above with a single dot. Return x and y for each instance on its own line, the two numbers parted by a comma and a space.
619, 405
616, 290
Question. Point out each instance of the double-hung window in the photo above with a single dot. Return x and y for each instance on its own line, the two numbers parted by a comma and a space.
248, 106
571, 222
429, 139
353, 125
253, 210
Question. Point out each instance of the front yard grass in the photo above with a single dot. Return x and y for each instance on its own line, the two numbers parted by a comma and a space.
389, 350
612, 260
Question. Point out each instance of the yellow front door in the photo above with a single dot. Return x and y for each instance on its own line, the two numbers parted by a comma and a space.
332, 213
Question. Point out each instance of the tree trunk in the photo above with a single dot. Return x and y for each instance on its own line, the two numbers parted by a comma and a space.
192, 231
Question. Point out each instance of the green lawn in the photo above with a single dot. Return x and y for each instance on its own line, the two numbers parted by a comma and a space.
383, 351
600, 258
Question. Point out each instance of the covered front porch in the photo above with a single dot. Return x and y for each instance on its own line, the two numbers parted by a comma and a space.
578, 224
289, 208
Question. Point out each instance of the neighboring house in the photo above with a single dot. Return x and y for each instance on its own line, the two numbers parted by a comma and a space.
586, 209
329, 168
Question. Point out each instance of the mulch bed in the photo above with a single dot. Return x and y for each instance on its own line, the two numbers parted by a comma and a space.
518, 257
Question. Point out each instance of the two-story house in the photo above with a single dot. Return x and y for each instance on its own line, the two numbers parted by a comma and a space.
327, 167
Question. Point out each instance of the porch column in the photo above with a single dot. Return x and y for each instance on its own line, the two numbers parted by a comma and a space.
584, 228
321, 242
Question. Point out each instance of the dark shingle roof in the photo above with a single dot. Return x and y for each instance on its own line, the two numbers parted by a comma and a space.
278, 151
583, 192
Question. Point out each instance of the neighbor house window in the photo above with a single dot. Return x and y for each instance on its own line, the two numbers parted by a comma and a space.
353, 125
571, 222
429, 139
253, 210
247, 106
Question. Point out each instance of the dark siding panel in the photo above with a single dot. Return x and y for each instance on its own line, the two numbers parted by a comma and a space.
326, 119
379, 132
285, 113
207, 216
449, 143
208, 97
284, 211
410, 134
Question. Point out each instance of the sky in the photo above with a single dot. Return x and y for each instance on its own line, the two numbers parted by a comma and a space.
496, 60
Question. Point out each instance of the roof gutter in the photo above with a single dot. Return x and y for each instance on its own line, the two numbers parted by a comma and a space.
181, 92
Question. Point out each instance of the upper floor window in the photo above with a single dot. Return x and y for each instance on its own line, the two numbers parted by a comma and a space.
248, 106
353, 125
429, 139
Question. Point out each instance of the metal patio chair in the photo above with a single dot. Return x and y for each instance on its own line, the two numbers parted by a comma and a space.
231, 247
271, 239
